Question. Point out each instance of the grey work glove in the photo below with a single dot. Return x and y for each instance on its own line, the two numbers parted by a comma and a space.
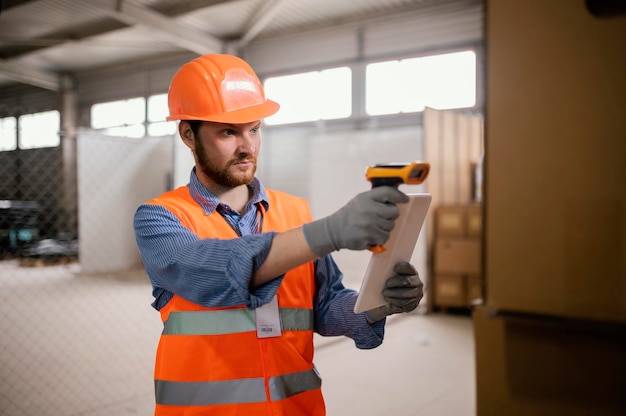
364, 221
403, 293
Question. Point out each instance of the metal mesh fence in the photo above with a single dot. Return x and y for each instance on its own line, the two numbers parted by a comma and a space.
73, 341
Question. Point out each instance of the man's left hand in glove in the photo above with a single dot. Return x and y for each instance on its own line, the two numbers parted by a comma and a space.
403, 292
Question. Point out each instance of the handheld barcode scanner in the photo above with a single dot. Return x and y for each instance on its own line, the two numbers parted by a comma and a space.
396, 174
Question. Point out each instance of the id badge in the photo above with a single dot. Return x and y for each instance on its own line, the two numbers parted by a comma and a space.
267, 320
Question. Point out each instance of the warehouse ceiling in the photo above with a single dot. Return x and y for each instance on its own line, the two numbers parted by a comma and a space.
41, 40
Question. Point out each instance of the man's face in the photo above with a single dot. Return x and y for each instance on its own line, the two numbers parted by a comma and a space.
226, 154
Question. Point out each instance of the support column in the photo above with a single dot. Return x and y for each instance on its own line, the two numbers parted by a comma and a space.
68, 220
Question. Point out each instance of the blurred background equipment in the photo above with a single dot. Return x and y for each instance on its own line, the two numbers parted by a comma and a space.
19, 226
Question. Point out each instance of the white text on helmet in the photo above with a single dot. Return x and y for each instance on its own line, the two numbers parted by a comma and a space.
240, 85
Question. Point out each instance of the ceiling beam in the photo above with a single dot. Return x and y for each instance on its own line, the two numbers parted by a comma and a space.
260, 20
131, 14
185, 37
31, 76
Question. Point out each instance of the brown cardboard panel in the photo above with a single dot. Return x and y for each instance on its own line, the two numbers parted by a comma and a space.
474, 288
458, 256
555, 197
450, 192
573, 266
595, 281
546, 368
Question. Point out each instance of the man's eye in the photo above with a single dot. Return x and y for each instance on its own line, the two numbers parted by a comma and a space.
255, 130
229, 132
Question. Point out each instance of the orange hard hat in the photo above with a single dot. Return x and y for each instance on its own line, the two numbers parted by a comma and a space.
219, 88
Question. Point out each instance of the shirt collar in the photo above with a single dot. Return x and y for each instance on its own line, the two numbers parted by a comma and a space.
210, 202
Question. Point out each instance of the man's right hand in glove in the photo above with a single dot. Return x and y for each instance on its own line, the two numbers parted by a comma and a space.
363, 222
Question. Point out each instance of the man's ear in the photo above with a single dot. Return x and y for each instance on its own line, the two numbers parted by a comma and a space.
184, 129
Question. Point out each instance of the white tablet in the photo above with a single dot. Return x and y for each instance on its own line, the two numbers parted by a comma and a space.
398, 248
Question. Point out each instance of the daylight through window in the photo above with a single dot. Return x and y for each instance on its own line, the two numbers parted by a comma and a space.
8, 134
39, 130
311, 96
440, 81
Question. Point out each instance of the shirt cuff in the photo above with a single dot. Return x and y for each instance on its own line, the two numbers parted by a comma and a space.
368, 336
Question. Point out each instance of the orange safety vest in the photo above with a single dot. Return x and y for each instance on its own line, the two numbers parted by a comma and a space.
211, 362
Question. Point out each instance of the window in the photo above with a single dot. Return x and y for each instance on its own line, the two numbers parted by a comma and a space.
127, 117
120, 118
440, 81
157, 111
310, 96
8, 134
39, 130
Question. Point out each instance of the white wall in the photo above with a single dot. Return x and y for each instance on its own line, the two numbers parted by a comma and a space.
115, 175
183, 161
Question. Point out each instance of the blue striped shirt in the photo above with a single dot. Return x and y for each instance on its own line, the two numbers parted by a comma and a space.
216, 273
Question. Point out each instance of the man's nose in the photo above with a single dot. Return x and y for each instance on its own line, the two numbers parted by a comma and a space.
247, 144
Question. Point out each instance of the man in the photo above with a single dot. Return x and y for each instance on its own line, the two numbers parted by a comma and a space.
241, 274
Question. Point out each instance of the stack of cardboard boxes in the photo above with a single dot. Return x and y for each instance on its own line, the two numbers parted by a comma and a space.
458, 274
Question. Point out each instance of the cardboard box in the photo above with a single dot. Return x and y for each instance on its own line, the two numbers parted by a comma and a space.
458, 256
529, 366
474, 221
450, 290
459, 221
450, 221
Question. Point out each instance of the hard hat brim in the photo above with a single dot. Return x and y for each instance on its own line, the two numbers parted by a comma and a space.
241, 116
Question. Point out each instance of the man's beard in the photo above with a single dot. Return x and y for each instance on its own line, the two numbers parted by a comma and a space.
222, 176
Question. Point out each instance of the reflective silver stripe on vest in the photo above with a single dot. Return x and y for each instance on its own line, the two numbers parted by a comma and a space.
232, 321
287, 385
177, 393
245, 390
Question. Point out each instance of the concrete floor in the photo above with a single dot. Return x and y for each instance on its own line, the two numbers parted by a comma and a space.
84, 345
